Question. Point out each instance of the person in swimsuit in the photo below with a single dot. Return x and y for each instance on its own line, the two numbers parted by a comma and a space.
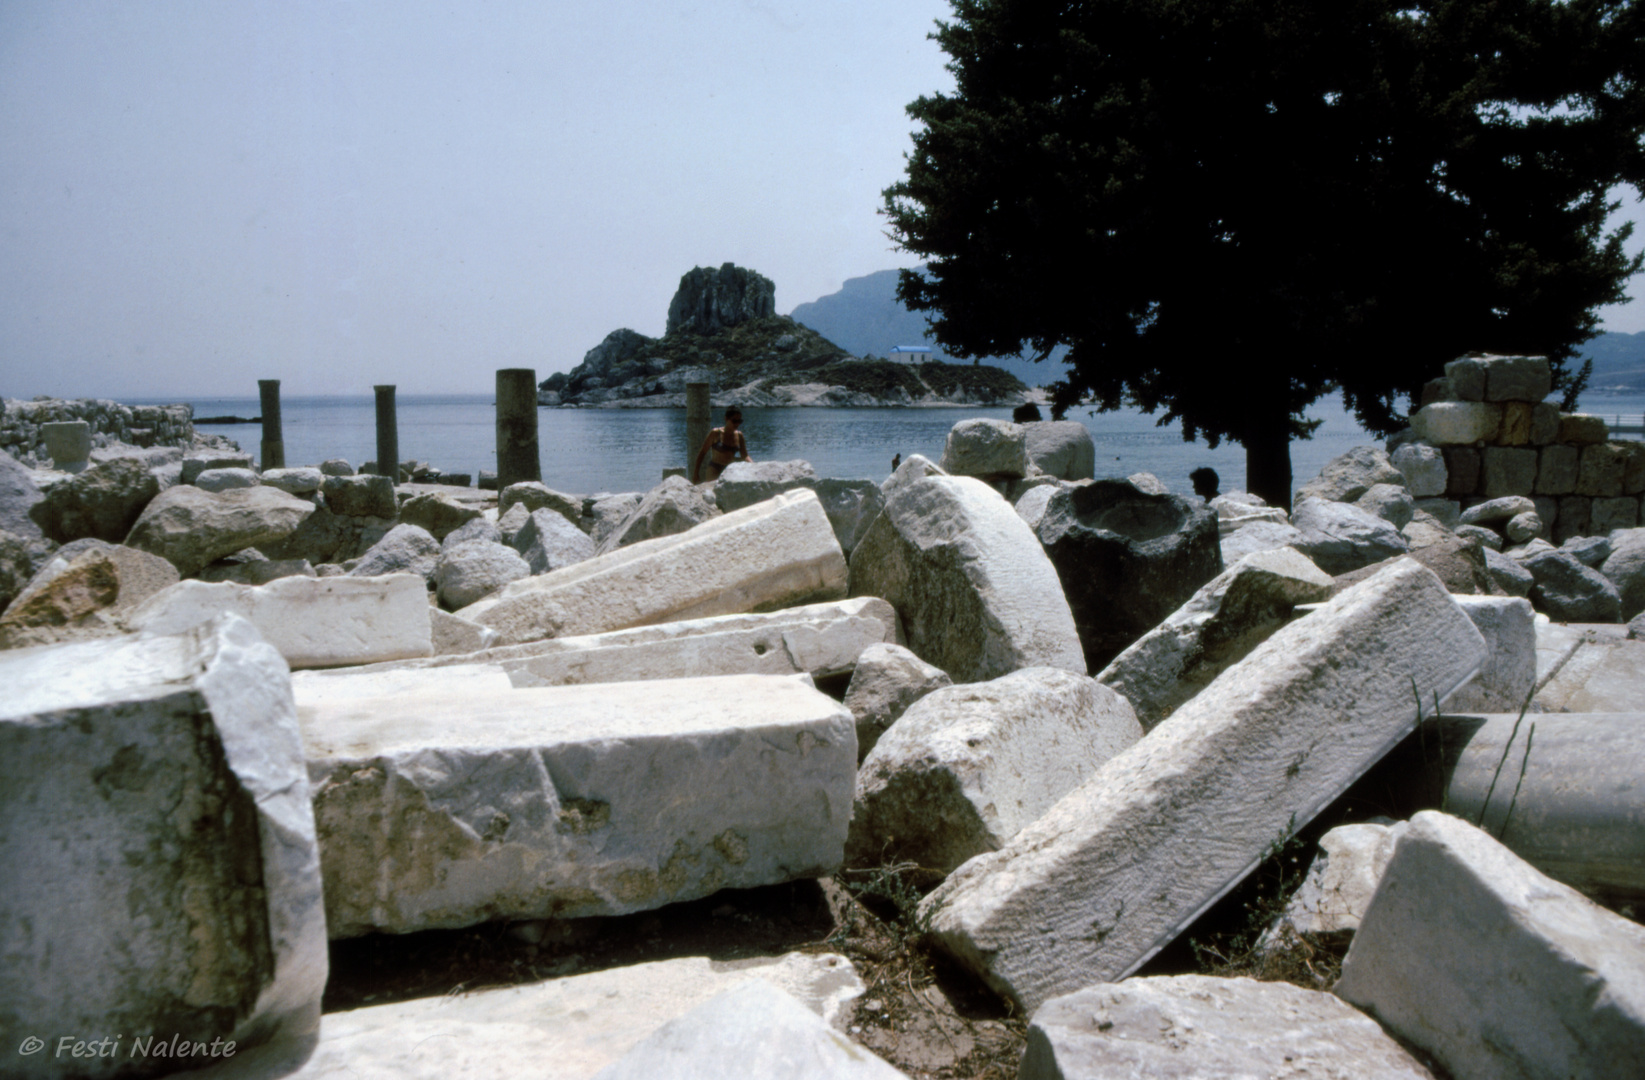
723, 446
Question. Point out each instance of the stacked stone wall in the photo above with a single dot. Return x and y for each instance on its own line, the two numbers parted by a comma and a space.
110, 422
1498, 437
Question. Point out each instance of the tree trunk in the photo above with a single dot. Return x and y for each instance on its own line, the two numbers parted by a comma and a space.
1268, 460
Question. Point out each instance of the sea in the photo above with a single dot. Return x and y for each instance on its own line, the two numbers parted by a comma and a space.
587, 450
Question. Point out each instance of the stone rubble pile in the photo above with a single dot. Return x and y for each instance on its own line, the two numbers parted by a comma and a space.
1085, 708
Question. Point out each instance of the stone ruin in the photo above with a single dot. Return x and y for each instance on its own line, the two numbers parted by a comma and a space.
710, 299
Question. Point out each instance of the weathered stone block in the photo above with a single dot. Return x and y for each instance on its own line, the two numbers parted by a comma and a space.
104, 502
985, 448
888, 679
978, 596
1340, 537
1557, 470
1467, 375
1633, 473
312, 621
196, 462
1517, 378
1348, 476
1229, 616
786, 555
1516, 424
68, 443
1423, 467
1624, 566
1125, 559
1601, 470
192, 528
1340, 883
1582, 428
438, 513
1470, 954
360, 496
1618, 513
1508, 626
744, 483
1191, 1026
572, 800
1061, 448
1587, 673
1507, 471
673, 507
162, 876
1544, 423
968, 767
1574, 519
1461, 471
296, 481
85, 596
1080, 896
1568, 591
1457, 423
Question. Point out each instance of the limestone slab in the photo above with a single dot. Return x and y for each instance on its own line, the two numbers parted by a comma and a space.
815, 639
774, 554
1121, 865
1600, 674
1450, 423
977, 594
444, 809
887, 679
1231, 614
985, 448
968, 767
1190, 1027
162, 875
1061, 448
561, 1029
312, 621
1469, 953
1505, 682
455, 636
752, 1030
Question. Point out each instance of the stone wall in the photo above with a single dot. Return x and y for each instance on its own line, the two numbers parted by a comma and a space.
1498, 437
139, 425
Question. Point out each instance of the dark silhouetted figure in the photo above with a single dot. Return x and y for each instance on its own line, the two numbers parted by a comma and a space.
1204, 480
896, 460
1026, 413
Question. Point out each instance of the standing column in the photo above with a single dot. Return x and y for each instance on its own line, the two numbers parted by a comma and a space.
697, 423
274, 445
517, 458
388, 434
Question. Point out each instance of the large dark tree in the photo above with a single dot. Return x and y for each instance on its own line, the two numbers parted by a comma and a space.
1227, 208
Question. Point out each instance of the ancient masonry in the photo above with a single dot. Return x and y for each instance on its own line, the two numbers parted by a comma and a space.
1499, 437
139, 425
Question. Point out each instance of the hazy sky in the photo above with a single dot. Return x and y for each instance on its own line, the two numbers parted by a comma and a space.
194, 196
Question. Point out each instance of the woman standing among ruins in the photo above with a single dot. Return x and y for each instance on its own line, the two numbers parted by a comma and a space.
723, 446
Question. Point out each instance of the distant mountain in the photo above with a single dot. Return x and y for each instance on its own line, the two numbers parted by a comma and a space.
1619, 363
865, 318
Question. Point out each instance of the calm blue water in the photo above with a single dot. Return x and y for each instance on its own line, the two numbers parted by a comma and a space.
588, 450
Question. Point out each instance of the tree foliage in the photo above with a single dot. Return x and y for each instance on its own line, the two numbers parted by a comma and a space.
1227, 208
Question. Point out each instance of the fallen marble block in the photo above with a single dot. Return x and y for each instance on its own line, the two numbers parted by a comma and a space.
454, 636
1340, 882
449, 808
977, 594
967, 767
560, 1029
1563, 791
1195, 1026
775, 554
1505, 682
162, 876
818, 639
885, 682
753, 1030
1599, 674
1231, 614
324, 689
84, 596
1470, 954
1119, 867
312, 621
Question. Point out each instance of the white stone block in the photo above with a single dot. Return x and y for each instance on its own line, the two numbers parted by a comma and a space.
1119, 867
753, 1030
314, 622
1061, 448
1470, 954
162, 875
977, 594
775, 554
456, 636
1601, 674
1231, 614
1340, 882
1454, 423
990, 448
816, 639
886, 681
561, 1029
967, 767
1191, 1027
452, 808
1508, 625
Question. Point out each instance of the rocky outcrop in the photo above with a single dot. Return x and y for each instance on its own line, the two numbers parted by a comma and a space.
723, 330
709, 300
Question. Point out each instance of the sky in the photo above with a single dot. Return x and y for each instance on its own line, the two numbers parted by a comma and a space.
198, 195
